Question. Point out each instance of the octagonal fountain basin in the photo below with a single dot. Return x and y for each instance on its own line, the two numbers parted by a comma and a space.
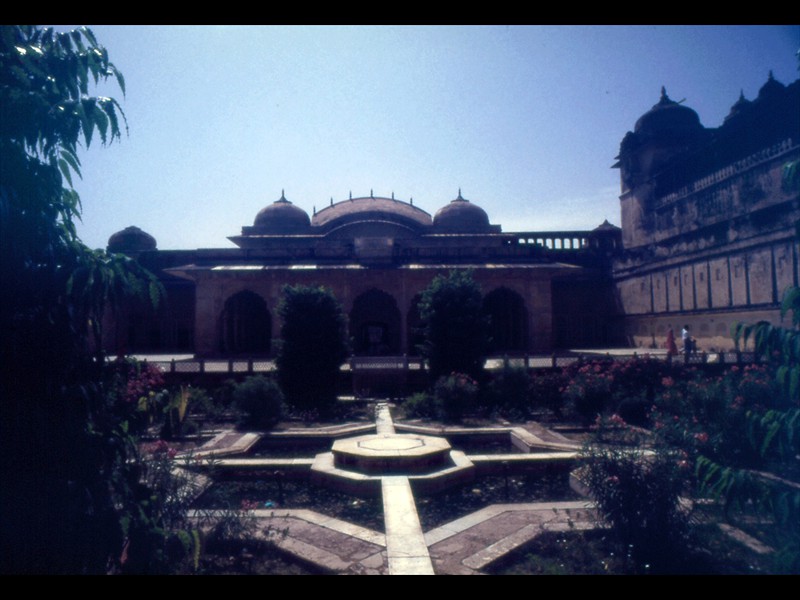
392, 453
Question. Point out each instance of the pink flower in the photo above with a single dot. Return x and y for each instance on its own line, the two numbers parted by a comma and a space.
701, 437
617, 420
667, 382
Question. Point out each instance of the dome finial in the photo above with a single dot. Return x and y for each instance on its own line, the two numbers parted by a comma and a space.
392, 194
331, 200
315, 209
771, 76
370, 193
351, 194
412, 200
283, 196
459, 197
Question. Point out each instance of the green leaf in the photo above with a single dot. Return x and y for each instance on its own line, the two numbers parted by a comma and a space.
89, 34
80, 113
72, 160
64, 167
120, 79
101, 121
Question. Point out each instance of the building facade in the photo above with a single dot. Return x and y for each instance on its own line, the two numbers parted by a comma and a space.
377, 255
708, 239
709, 217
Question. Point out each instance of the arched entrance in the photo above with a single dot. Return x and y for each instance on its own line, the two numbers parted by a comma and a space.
246, 325
509, 321
375, 324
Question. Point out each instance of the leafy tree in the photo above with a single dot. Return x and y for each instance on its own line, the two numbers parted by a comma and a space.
313, 346
65, 469
773, 485
773, 433
456, 330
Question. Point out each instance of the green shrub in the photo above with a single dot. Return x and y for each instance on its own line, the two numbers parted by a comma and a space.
638, 497
421, 406
508, 394
456, 394
261, 401
546, 392
635, 409
312, 348
588, 391
455, 326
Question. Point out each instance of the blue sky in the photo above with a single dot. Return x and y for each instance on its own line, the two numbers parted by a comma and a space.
526, 120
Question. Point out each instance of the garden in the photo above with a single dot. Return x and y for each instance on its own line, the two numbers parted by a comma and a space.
675, 457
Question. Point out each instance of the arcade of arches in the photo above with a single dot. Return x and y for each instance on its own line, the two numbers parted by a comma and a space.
377, 326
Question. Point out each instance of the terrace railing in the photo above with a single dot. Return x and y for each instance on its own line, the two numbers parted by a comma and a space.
397, 364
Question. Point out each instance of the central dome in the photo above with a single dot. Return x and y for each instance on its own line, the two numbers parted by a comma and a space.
371, 210
282, 217
461, 216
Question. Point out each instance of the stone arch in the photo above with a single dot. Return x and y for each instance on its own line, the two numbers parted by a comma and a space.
245, 325
509, 321
375, 324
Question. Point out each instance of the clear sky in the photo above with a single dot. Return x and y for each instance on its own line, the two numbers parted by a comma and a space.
526, 120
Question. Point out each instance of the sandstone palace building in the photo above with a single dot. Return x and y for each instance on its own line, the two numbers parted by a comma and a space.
708, 238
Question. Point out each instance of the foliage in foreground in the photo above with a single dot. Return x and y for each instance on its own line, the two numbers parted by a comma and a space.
638, 495
770, 481
71, 492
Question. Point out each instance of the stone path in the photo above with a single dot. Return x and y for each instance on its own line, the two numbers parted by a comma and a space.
466, 546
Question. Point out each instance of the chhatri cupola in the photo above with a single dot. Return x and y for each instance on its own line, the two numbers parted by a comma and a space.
281, 218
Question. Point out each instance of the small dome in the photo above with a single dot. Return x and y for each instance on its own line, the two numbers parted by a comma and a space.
131, 240
668, 119
461, 216
741, 105
771, 89
282, 217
